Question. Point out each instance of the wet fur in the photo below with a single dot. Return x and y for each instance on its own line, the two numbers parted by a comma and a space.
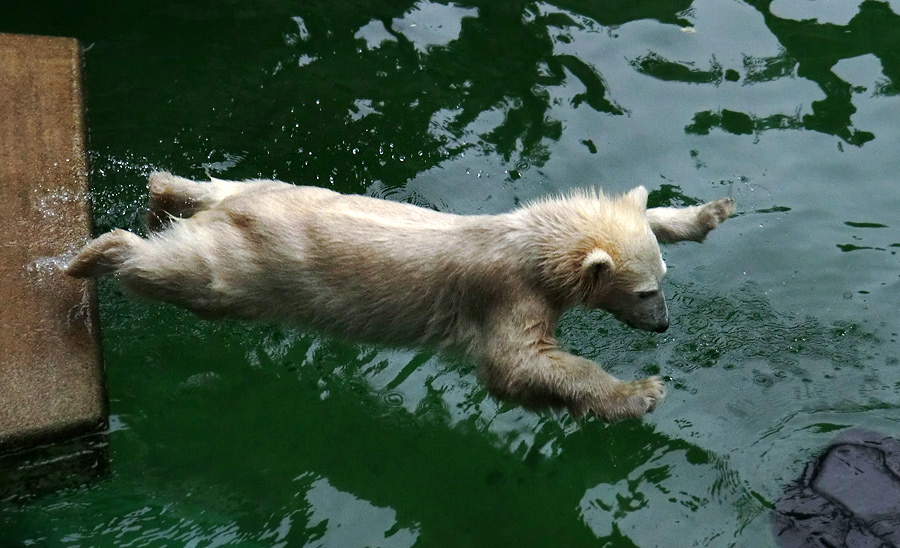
493, 286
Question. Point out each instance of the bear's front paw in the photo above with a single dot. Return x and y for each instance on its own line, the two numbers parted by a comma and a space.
632, 400
713, 213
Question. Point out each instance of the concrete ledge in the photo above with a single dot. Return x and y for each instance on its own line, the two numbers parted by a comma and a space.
51, 379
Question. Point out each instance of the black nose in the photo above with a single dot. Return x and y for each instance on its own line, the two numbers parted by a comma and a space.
661, 328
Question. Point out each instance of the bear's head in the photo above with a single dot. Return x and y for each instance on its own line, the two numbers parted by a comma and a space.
606, 256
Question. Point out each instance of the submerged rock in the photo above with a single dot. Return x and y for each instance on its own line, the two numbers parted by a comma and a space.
849, 497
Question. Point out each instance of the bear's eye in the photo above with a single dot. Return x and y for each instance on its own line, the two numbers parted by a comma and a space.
647, 294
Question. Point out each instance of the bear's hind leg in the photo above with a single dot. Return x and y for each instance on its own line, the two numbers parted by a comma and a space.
170, 267
174, 197
104, 255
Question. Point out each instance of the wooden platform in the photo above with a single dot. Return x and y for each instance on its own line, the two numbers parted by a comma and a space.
51, 379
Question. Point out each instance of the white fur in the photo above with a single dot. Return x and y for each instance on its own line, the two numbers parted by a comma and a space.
492, 286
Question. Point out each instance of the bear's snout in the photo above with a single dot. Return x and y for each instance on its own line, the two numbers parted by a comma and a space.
657, 327
646, 312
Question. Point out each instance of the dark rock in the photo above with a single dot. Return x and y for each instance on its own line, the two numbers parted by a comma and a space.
849, 497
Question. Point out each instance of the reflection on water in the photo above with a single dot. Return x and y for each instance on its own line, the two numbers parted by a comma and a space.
366, 523
428, 25
234, 434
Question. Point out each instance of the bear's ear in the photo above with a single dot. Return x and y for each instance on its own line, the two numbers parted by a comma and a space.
638, 197
598, 263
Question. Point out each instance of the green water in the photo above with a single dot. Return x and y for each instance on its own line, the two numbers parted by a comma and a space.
784, 323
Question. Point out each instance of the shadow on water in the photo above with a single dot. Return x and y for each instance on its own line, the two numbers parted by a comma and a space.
219, 417
251, 433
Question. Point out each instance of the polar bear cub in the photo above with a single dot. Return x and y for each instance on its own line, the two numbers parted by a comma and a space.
492, 286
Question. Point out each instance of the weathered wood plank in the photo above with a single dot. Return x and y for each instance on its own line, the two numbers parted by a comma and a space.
51, 378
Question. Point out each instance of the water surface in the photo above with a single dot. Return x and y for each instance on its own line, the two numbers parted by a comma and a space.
784, 328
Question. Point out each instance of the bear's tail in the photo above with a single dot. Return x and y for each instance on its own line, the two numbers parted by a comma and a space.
104, 255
